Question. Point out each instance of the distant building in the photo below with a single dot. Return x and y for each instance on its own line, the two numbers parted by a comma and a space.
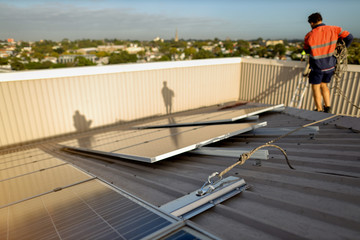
71, 58
110, 48
274, 42
50, 59
4, 53
102, 61
208, 48
27, 49
133, 49
158, 39
86, 50
10, 40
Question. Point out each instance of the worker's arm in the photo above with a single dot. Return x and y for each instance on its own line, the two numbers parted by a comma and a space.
306, 44
347, 37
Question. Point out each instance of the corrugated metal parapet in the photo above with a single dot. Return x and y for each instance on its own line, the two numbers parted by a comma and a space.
45, 103
274, 81
41, 104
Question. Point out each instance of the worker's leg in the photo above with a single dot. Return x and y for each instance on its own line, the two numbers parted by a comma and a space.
317, 96
325, 93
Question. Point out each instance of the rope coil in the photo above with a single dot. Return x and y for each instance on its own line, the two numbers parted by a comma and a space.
340, 68
245, 156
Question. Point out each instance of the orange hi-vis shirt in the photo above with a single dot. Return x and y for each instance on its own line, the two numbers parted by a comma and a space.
320, 43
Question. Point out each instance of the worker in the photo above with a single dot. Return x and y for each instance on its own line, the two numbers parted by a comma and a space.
320, 43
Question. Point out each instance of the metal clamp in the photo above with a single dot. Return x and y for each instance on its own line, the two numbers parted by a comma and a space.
209, 184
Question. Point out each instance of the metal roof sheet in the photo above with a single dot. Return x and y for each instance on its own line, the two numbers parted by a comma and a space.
317, 200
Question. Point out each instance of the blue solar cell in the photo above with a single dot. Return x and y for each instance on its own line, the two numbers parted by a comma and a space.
182, 235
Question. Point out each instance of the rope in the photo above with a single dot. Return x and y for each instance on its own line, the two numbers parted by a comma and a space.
340, 69
245, 156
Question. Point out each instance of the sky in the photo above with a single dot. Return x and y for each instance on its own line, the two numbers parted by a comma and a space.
33, 20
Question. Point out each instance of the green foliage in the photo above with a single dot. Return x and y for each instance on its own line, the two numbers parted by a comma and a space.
242, 51
122, 57
228, 45
45, 65
24, 44
354, 52
164, 47
259, 51
243, 44
189, 52
59, 50
44, 47
202, 54
163, 58
101, 54
17, 65
141, 54
82, 61
199, 44
38, 65
38, 55
168, 50
279, 50
179, 44
4, 61
66, 45
87, 43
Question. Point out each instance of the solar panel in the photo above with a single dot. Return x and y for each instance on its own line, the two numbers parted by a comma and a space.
152, 145
227, 116
86, 211
62, 202
185, 232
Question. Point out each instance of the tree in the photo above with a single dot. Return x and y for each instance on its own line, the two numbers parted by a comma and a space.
38, 65
242, 51
122, 57
38, 55
17, 65
279, 50
243, 44
260, 51
164, 58
173, 51
82, 61
199, 44
189, 52
54, 54
202, 54
228, 44
59, 50
141, 54
4, 61
101, 54
164, 47
354, 53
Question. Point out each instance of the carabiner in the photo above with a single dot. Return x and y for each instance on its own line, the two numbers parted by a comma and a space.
209, 184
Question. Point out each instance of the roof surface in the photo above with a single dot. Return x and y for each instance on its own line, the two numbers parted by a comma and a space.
318, 200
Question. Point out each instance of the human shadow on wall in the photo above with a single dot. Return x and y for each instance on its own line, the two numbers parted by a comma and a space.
81, 125
273, 90
168, 96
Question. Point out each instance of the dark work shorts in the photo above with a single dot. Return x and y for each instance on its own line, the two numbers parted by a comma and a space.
319, 77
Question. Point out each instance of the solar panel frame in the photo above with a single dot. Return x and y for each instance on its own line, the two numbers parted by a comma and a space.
219, 117
177, 141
